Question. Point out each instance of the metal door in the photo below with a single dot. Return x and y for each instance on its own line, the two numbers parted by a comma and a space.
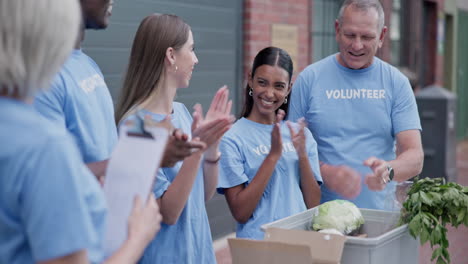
462, 76
217, 30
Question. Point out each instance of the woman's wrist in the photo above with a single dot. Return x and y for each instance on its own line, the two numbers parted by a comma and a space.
212, 152
273, 156
302, 155
212, 159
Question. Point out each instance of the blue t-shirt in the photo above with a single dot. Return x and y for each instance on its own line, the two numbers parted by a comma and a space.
189, 240
80, 100
353, 115
244, 149
50, 203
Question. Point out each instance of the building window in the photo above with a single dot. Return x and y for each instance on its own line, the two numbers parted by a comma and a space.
324, 13
395, 36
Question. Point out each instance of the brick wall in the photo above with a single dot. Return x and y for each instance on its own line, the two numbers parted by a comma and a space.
419, 48
384, 52
259, 15
434, 58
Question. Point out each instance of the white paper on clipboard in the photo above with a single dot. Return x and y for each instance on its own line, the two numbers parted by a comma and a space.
131, 171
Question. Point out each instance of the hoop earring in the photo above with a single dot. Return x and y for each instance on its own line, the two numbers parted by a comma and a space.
251, 92
285, 100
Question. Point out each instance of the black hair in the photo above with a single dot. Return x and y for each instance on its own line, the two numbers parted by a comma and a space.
272, 56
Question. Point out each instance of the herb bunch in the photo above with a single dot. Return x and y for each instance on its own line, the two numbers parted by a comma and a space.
430, 205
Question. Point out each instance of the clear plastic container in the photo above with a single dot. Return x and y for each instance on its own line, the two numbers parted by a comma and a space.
386, 243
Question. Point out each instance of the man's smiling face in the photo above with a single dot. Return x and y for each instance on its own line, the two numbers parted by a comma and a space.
358, 37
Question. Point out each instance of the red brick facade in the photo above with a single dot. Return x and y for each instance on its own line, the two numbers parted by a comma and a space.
259, 15
384, 52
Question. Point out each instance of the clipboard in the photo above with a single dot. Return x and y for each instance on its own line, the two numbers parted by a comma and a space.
131, 171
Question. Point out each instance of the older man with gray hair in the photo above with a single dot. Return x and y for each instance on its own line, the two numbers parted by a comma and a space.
361, 111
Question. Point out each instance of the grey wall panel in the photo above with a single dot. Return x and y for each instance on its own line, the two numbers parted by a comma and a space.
114, 81
212, 61
217, 30
117, 35
211, 40
112, 61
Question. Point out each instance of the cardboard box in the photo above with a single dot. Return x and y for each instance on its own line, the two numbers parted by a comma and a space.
385, 241
288, 246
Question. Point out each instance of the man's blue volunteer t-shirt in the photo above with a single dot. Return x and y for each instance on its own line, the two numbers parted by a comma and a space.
80, 101
353, 115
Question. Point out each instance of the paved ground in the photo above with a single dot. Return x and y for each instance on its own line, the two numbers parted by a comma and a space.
458, 238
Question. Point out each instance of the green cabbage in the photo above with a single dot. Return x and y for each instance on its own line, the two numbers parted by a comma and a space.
341, 215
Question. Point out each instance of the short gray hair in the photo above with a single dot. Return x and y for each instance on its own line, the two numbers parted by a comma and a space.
36, 36
364, 5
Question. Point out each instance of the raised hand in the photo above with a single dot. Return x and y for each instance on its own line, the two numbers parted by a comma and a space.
379, 178
218, 119
276, 140
342, 180
298, 137
220, 105
178, 146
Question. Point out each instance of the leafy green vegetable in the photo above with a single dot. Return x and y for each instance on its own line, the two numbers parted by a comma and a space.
430, 205
341, 215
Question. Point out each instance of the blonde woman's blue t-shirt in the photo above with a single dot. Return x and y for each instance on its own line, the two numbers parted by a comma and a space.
50, 203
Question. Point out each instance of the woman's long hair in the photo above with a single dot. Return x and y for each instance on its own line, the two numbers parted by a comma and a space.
268, 56
156, 33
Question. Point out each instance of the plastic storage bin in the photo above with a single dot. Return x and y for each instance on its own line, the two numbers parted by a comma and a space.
385, 243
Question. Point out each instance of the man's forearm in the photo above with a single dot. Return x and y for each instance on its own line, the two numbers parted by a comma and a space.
407, 164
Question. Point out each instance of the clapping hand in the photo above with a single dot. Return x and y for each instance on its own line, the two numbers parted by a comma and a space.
217, 121
343, 180
378, 179
178, 146
276, 140
298, 137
